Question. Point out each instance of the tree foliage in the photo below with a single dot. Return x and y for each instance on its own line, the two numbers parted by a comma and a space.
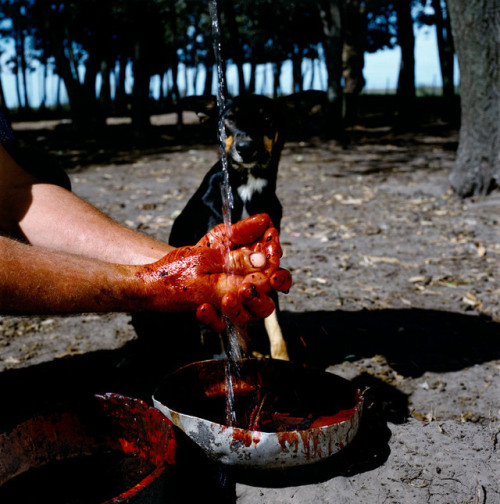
92, 46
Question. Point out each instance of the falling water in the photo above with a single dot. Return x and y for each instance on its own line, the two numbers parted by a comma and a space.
233, 350
227, 197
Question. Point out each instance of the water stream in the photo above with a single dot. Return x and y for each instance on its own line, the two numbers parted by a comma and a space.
232, 345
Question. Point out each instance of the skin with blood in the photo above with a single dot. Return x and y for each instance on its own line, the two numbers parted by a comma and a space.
117, 445
287, 402
196, 278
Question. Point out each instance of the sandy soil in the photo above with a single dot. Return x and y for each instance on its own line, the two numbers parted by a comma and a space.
396, 287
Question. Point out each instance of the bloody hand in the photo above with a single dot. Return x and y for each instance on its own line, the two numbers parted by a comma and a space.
229, 272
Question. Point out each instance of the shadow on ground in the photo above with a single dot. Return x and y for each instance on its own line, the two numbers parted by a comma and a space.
413, 342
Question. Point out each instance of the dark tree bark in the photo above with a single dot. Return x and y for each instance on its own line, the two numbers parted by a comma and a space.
140, 92
58, 93
66, 68
209, 67
331, 16
446, 51
2, 94
406, 80
236, 46
297, 70
90, 113
22, 69
120, 102
276, 78
353, 56
174, 61
105, 92
43, 87
445, 48
252, 80
476, 33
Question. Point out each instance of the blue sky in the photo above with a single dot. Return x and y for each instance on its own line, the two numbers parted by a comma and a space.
381, 72
381, 68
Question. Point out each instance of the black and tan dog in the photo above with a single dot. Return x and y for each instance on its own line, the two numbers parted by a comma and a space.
253, 127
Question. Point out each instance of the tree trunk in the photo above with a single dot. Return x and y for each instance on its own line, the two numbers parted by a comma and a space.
330, 12
105, 92
174, 62
252, 80
406, 80
43, 86
120, 104
140, 92
18, 89
66, 67
276, 78
476, 33
236, 46
446, 53
2, 94
445, 48
297, 70
90, 113
209, 78
58, 93
353, 56
313, 74
22, 70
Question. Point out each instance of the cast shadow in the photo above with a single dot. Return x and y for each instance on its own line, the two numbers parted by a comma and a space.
368, 450
412, 340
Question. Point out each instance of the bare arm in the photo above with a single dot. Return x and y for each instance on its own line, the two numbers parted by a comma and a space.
76, 259
49, 216
38, 280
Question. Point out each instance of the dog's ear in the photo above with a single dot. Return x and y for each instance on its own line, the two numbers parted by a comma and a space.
205, 107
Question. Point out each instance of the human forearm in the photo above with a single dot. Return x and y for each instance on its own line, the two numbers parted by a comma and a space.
37, 280
60, 220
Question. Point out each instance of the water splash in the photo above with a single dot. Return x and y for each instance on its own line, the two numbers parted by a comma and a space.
232, 344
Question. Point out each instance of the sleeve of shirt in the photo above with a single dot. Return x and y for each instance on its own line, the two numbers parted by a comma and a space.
6, 132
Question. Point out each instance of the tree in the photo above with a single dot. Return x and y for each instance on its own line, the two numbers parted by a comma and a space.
406, 80
435, 12
61, 31
331, 15
228, 9
353, 52
476, 33
445, 47
2, 94
20, 31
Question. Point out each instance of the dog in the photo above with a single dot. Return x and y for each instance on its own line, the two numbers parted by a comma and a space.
254, 140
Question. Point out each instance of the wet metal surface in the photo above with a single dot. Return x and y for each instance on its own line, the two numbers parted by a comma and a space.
286, 414
108, 449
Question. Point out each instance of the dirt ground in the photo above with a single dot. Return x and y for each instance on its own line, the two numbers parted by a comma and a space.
396, 287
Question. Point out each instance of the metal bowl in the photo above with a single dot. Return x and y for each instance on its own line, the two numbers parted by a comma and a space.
286, 414
103, 449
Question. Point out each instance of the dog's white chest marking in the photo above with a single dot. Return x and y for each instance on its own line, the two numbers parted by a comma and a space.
253, 185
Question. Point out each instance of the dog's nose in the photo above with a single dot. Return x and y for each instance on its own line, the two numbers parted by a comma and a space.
246, 148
